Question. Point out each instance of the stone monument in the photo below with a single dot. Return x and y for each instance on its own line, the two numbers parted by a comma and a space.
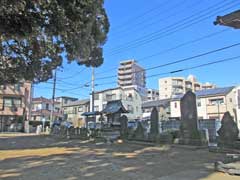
139, 132
154, 128
124, 126
189, 133
228, 133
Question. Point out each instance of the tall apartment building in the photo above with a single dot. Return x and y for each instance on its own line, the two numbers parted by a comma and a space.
172, 86
15, 103
130, 74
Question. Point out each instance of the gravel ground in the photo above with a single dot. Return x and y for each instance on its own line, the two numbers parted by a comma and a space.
43, 157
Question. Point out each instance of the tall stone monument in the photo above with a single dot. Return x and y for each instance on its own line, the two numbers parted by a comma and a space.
189, 120
124, 126
139, 132
154, 128
228, 133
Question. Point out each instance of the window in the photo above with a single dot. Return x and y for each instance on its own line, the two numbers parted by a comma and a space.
75, 110
130, 97
96, 96
47, 106
136, 108
12, 102
80, 109
65, 101
110, 97
175, 104
199, 102
165, 82
104, 106
96, 108
230, 99
17, 87
130, 109
216, 101
3, 87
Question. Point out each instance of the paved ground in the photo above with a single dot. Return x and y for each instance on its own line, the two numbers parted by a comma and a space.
42, 157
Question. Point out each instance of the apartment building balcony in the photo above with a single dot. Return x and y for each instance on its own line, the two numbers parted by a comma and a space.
125, 82
125, 71
125, 77
12, 111
215, 108
177, 86
12, 90
123, 63
127, 67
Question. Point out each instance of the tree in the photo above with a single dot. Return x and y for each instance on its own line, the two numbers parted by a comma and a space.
35, 34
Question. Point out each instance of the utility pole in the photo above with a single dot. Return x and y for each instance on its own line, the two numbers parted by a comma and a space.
93, 88
53, 96
218, 103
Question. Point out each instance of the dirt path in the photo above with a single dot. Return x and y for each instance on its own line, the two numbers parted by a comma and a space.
42, 157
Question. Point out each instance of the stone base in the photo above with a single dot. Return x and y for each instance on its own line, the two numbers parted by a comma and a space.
193, 142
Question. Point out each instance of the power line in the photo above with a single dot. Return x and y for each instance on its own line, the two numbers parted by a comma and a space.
122, 25
166, 64
168, 30
69, 77
180, 60
147, 24
173, 48
188, 68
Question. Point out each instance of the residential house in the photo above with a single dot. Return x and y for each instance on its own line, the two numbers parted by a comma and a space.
130, 99
211, 103
73, 111
15, 103
237, 99
152, 94
64, 100
41, 110
163, 107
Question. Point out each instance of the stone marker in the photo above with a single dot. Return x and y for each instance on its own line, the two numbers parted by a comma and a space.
228, 133
189, 112
124, 126
154, 129
189, 120
139, 132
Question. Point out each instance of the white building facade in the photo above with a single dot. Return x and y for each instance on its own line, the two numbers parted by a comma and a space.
129, 97
152, 95
211, 103
172, 86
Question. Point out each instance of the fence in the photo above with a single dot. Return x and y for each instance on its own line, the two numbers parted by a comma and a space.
211, 125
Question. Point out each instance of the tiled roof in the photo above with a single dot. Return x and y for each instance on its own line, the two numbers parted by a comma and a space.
208, 92
41, 99
156, 103
114, 107
232, 20
76, 103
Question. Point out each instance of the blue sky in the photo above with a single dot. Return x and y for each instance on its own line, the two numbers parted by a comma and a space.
141, 28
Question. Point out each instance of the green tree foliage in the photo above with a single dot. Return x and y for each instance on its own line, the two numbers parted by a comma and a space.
34, 35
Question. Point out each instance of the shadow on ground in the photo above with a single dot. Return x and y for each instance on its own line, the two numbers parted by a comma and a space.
44, 157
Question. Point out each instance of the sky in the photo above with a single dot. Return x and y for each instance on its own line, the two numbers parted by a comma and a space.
153, 33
